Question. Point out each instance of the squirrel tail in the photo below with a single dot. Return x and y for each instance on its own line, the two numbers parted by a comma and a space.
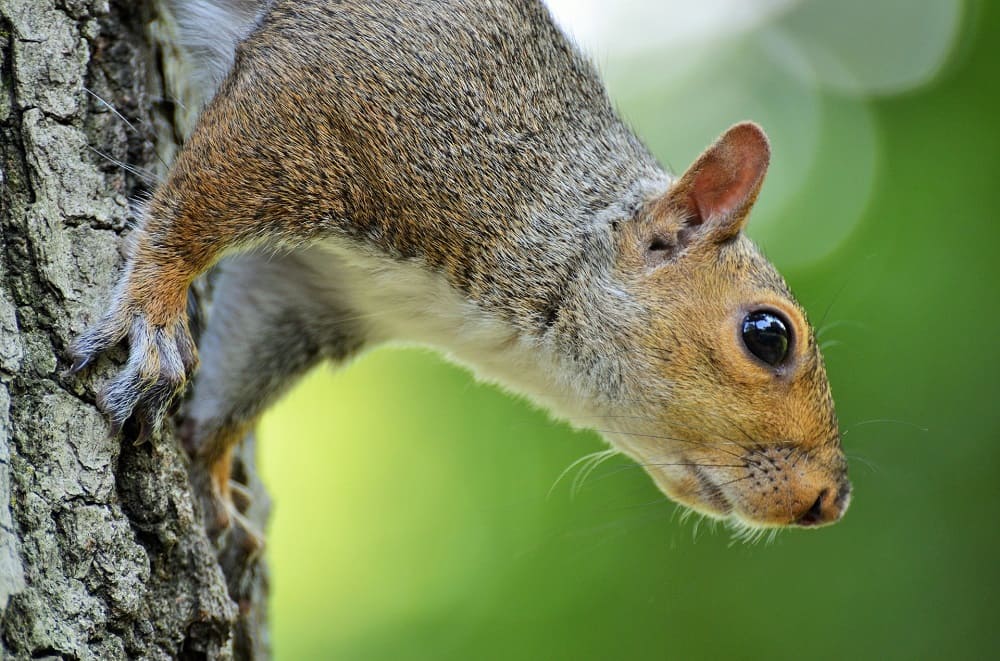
210, 31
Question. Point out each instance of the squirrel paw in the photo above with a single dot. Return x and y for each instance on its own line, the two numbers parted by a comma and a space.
244, 536
226, 525
160, 359
223, 509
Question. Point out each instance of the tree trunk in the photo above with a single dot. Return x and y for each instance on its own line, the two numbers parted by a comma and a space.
102, 553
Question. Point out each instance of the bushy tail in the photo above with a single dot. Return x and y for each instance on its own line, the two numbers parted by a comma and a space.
210, 30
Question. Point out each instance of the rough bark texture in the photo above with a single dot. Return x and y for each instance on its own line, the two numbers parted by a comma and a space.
102, 554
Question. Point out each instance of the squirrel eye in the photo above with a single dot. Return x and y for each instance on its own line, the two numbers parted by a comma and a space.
765, 334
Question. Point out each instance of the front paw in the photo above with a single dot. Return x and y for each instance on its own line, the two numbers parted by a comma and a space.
161, 356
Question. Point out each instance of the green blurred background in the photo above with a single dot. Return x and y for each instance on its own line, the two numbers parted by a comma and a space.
413, 517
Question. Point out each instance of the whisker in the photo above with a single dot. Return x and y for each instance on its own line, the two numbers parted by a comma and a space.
726, 440
740, 429
739, 479
662, 500
127, 123
170, 99
597, 459
837, 324
799, 456
611, 529
747, 534
691, 463
870, 464
668, 438
111, 108
579, 462
878, 421
854, 274
818, 463
634, 465
697, 525
146, 175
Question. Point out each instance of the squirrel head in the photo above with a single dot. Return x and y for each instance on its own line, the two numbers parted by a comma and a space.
741, 425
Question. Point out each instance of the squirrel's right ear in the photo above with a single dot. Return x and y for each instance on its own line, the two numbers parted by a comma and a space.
715, 194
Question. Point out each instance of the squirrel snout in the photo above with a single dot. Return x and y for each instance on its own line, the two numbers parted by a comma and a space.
787, 486
829, 506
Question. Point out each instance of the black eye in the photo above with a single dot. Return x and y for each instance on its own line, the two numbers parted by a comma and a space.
766, 336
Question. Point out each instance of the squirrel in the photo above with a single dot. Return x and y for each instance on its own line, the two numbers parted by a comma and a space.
454, 174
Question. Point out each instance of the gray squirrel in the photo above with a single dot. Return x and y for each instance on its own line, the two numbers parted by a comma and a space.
453, 173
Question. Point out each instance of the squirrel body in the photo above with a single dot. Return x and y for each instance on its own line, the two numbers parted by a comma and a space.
454, 174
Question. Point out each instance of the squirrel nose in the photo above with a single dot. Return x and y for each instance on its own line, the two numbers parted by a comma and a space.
828, 506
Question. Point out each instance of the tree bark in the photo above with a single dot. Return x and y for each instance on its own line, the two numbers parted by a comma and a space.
102, 553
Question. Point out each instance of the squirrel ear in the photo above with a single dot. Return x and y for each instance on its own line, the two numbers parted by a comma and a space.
716, 193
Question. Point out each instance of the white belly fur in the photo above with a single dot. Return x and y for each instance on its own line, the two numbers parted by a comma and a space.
402, 301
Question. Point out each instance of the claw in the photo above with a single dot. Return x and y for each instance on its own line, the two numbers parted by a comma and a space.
241, 496
245, 535
160, 358
109, 331
215, 509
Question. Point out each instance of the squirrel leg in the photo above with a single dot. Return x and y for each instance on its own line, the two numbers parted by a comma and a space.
149, 308
273, 318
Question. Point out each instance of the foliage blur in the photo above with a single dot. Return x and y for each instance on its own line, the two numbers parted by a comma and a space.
413, 517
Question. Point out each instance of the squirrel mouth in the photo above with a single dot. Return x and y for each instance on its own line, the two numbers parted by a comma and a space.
711, 495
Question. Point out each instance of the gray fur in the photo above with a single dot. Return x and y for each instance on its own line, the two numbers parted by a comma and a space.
273, 318
210, 31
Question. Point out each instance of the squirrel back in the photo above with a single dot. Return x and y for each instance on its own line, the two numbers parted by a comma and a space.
431, 127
